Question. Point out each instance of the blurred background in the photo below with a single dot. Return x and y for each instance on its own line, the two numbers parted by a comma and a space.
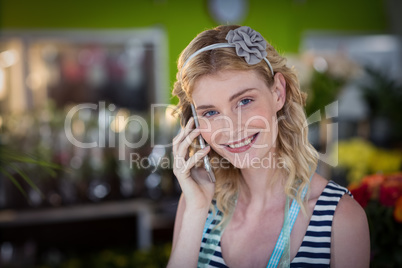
85, 118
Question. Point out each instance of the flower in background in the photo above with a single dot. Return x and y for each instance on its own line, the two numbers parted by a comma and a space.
373, 182
391, 190
398, 210
359, 158
360, 193
385, 189
381, 197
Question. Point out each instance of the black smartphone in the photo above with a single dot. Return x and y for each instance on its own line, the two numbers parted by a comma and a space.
207, 164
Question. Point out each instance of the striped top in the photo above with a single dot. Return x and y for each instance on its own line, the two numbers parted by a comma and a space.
315, 248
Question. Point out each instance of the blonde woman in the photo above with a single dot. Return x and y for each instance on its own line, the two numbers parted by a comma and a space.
250, 111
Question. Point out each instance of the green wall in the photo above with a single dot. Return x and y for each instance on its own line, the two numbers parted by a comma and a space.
282, 22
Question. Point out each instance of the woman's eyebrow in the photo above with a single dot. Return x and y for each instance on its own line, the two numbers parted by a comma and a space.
204, 107
234, 96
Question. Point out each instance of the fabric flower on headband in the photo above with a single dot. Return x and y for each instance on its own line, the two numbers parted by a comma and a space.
248, 44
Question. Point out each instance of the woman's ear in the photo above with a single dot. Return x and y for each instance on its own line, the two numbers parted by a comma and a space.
279, 89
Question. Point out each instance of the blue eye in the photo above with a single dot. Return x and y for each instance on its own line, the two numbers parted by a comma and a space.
210, 113
244, 102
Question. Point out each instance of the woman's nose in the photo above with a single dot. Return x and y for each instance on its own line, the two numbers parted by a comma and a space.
227, 124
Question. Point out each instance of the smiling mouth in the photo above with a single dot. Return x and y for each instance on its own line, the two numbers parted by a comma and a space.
242, 143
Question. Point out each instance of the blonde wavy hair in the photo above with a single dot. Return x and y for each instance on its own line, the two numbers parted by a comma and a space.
293, 148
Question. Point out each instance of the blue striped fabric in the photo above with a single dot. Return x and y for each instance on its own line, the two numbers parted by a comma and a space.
315, 250
284, 237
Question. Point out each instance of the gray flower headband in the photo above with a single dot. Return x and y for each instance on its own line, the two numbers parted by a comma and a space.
248, 43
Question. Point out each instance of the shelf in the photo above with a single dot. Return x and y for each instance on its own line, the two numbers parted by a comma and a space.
143, 210
75, 213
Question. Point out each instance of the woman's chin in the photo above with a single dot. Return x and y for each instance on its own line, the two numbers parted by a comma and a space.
242, 160
251, 160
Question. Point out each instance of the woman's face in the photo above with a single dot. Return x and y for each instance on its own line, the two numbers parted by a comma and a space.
237, 114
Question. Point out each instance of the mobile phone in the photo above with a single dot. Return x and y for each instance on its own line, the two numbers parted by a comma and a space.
207, 164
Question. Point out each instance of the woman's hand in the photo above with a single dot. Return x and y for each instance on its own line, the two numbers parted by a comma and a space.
196, 198
197, 188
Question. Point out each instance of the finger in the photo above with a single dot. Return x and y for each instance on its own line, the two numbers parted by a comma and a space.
182, 134
182, 165
183, 144
185, 130
182, 148
181, 151
199, 155
179, 165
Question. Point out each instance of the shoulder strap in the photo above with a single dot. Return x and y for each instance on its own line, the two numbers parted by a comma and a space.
211, 237
283, 242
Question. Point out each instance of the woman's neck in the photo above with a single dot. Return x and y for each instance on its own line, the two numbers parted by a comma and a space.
262, 188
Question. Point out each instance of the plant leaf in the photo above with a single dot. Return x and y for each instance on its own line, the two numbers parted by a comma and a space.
27, 179
14, 181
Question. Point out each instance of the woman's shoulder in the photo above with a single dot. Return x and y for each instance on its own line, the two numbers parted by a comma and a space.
349, 224
350, 237
317, 186
346, 205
